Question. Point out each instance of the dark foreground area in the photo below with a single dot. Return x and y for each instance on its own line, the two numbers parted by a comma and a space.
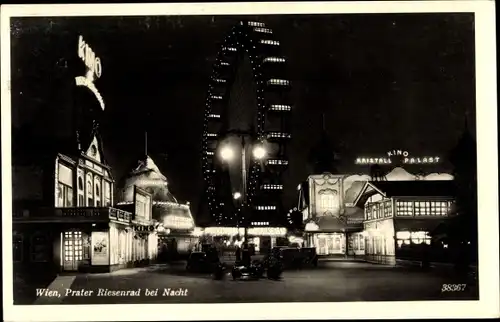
329, 282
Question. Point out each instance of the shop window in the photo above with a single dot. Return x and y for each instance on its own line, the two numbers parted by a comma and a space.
40, 248
65, 195
17, 247
387, 209
439, 208
412, 238
422, 208
368, 211
361, 242
404, 208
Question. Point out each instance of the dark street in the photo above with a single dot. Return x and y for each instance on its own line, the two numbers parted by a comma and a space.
337, 281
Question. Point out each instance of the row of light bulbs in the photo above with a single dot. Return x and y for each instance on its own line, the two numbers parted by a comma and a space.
255, 24
265, 207
279, 135
274, 60
272, 186
277, 162
260, 223
280, 107
263, 30
269, 42
276, 81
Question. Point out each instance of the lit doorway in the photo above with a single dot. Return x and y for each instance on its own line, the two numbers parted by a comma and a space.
72, 250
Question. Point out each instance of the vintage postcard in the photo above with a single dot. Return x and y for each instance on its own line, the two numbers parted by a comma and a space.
253, 160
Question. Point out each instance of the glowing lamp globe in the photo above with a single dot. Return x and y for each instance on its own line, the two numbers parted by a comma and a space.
227, 153
237, 195
259, 152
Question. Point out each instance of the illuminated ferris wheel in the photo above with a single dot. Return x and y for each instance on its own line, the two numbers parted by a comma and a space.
253, 42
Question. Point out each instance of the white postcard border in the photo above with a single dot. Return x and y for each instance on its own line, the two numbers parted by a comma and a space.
487, 306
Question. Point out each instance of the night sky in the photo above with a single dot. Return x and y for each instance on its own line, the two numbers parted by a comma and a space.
383, 82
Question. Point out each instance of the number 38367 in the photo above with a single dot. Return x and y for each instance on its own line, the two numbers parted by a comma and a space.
453, 287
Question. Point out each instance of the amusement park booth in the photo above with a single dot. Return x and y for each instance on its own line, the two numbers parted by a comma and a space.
399, 215
63, 219
175, 222
332, 224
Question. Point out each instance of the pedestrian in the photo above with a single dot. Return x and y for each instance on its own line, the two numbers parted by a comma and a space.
238, 254
245, 256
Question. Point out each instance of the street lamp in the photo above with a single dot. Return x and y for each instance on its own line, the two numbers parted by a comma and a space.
227, 154
259, 152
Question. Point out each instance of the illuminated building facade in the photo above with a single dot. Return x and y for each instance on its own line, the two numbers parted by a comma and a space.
353, 215
64, 220
175, 220
399, 215
332, 224
63, 191
262, 184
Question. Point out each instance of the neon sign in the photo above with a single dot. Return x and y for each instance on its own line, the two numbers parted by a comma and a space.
94, 69
88, 56
405, 158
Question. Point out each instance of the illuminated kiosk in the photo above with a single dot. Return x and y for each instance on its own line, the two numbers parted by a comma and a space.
399, 215
63, 219
176, 224
333, 216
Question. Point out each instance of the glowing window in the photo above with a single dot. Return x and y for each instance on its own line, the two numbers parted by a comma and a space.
404, 208
327, 201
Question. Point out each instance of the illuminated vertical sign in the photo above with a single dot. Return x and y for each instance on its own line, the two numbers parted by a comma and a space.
94, 69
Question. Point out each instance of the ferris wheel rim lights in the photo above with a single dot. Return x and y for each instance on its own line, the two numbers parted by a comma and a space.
245, 39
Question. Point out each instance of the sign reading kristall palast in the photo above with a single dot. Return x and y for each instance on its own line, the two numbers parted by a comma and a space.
403, 157
94, 69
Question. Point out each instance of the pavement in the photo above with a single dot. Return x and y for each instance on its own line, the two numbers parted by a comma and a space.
331, 281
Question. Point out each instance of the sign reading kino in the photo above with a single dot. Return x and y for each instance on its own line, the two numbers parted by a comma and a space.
402, 155
94, 69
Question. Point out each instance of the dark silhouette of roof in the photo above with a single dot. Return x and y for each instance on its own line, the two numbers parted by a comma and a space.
416, 188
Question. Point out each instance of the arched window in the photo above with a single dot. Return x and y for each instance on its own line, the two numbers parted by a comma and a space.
81, 198
90, 191
97, 190
327, 201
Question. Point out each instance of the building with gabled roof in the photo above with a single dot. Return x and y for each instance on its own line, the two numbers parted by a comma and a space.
348, 214
175, 218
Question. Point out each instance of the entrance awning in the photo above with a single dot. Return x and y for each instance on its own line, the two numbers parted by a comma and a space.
351, 220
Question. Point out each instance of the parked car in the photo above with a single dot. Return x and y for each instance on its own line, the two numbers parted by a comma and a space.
202, 262
247, 272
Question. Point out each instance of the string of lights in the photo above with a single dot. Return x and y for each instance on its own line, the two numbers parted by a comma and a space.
263, 184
